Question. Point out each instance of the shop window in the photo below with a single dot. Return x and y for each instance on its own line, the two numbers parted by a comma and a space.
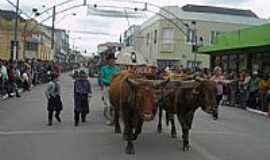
225, 62
190, 35
233, 62
217, 61
266, 63
256, 62
242, 62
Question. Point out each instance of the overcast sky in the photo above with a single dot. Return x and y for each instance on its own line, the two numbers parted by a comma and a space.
97, 29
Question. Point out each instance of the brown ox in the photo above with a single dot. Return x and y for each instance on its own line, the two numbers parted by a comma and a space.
166, 100
183, 99
135, 100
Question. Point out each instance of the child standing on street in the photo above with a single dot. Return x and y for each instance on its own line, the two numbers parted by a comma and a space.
53, 93
82, 91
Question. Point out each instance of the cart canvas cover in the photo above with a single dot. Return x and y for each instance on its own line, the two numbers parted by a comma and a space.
125, 57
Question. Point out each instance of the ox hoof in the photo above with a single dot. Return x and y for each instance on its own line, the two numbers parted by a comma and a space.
130, 150
215, 115
215, 118
186, 148
159, 130
173, 135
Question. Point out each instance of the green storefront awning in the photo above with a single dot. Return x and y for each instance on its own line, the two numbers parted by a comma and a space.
252, 37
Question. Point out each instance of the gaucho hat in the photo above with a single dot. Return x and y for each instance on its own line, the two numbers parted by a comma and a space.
82, 74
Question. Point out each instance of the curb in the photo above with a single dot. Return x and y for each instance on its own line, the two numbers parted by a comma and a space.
257, 111
2, 98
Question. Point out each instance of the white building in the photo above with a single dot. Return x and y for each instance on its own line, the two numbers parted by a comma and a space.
162, 43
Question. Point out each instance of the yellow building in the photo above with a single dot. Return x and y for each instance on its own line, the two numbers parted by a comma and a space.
162, 43
34, 39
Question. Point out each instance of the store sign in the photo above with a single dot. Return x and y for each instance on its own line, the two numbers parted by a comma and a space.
31, 37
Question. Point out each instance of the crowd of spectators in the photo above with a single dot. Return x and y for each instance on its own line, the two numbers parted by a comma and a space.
242, 89
25, 74
238, 89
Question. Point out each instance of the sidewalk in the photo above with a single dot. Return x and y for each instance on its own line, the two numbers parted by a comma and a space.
4, 97
257, 111
250, 110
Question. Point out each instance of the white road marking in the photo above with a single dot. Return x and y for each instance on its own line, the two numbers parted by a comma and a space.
36, 132
102, 130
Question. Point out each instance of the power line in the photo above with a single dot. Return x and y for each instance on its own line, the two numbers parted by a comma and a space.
21, 11
156, 6
57, 5
91, 32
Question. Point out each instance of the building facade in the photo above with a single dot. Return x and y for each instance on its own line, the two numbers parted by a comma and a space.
61, 46
132, 37
33, 39
164, 44
108, 48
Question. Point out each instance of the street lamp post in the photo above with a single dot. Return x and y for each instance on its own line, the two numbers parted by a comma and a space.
194, 43
53, 24
15, 44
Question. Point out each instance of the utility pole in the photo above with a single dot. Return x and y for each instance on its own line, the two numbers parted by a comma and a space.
194, 44
84, 2
15, 46
53, 22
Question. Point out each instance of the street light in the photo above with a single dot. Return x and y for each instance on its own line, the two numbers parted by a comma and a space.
34, 10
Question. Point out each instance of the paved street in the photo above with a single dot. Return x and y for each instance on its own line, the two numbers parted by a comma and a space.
24, 135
